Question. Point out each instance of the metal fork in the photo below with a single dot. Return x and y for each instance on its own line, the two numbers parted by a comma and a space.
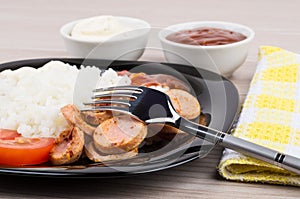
152, 106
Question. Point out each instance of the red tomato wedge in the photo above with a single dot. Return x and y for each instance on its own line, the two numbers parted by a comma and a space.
7, 134
25, 151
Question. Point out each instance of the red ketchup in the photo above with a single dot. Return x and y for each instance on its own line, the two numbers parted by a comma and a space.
206, 36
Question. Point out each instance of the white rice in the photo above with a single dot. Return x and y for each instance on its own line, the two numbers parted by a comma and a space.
31, 98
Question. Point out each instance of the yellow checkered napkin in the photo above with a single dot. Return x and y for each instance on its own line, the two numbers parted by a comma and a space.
270, 117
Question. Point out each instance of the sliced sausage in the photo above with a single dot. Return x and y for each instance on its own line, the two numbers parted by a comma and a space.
68, 147
184, 103
170, 81
119, 134
95, 118
73, 116
203, 120
142, 79
93, 154
124, 72
167, 132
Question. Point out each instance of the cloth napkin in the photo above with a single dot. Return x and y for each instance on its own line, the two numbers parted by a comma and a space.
270, 117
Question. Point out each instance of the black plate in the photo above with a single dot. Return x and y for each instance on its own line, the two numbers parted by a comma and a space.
219, 102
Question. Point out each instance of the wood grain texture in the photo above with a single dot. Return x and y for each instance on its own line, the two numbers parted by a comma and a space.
30, 29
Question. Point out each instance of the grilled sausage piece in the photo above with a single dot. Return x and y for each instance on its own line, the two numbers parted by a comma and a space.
170, 81
67, 147
93, 154
184, 103
119, 134
142, 79
96, 118
73, 116
167, 132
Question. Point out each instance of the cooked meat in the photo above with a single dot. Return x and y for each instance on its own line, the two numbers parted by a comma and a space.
184, 103
142, 79
73, 116
165, 132
169, 132
124, 72
119, 134
203, 119
95, 118
170, 81
96, 156
67, 147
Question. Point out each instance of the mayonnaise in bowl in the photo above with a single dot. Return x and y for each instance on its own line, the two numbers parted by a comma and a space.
106, 37
99, 28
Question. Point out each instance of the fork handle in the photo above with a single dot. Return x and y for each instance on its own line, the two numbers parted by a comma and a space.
251, 149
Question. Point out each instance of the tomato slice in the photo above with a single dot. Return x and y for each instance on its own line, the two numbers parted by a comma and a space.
25, 151
7, 134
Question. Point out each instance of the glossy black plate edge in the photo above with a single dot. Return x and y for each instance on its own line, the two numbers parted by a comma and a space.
118, 64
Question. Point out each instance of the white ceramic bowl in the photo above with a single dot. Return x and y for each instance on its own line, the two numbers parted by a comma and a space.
222, 59
126, 46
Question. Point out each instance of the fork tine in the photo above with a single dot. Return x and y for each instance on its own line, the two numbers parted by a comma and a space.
120, 91
107, 108
111, 102
117, 95
127, 88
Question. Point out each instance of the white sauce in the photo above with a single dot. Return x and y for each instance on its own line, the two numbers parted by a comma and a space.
99, 28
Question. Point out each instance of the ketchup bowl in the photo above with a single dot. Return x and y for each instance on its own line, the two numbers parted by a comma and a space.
216, 46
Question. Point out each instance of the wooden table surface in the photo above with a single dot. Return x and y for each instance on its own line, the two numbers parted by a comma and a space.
30, 29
